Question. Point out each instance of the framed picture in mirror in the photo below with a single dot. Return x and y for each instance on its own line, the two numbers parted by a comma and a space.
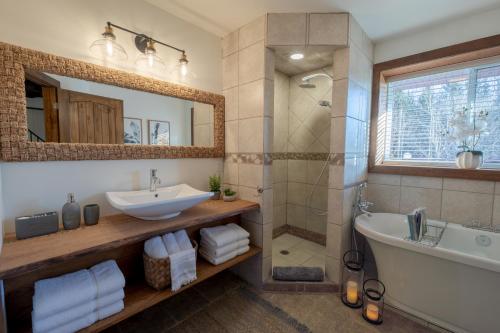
159, 132
132, 128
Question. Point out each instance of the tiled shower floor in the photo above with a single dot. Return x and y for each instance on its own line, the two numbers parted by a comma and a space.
301, 252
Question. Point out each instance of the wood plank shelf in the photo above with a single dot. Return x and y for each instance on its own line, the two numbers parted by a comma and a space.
140, 296
23, 256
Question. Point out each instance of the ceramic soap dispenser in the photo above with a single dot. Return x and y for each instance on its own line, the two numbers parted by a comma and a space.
71, 213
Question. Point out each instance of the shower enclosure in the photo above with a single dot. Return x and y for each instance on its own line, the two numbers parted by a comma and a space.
302, 108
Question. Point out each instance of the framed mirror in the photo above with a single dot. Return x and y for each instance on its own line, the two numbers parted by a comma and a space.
53, 108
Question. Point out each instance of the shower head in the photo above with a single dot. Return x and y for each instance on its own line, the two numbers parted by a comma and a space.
307, 84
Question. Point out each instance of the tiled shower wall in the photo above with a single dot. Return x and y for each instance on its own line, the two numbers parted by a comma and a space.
452, 200
301, 126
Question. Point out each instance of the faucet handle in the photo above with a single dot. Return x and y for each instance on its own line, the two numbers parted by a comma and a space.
153, 172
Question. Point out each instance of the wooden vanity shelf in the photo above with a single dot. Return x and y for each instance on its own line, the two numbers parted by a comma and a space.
118, 237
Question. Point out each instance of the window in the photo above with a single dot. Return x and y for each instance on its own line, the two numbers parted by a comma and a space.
415, 115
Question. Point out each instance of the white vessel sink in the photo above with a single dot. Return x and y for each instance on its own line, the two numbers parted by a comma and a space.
165, 203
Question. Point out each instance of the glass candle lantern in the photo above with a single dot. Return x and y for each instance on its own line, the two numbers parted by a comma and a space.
373, 301
352, 279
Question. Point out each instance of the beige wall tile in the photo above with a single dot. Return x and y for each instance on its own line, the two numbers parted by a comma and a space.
267, 240
414, 197
328, 29
231, 101
496, 210
319, 198
268, 177
230, 71
280, 191
359, 38
297, 193
250, 135
497, 188
267, 206
286, 29
466, 185
251, 63
336, 177
250, 175
251, 99
301, 139
425, 182
464, 207
230, 44
252, 32
296, 215
333, 240
350, 171
333, 269
297, 171
230, 173
255, 230
280, 171
384, 179
279, 216
349, 196
384, 197
360, 68
268, 135
335, 206
341, 64
314, 169
339, 97
337, 135
315, 222
231, 136
267, 267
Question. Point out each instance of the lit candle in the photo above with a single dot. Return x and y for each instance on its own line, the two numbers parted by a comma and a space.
352, 292
372, 312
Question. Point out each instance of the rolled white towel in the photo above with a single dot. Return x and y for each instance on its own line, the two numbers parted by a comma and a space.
170, 243
108, 277
107, 311
73, 313
224, 258
220, 251
155, 248
183, 240
223, 235
75, 325
58, 294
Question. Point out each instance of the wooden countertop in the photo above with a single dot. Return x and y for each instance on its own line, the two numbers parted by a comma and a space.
22, 256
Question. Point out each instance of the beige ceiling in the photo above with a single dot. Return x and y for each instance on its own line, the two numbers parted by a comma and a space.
379, 18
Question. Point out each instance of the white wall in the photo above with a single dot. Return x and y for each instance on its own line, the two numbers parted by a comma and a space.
67, 28
143, 105
444, 34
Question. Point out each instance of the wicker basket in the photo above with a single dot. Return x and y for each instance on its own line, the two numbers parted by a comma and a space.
157, 271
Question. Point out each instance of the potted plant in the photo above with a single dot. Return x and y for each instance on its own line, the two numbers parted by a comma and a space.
214, 184
467, 126
229, 195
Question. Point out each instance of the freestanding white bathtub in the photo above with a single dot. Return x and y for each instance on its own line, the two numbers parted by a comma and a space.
455, 285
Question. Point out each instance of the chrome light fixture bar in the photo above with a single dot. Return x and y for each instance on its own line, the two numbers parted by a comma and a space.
108, 48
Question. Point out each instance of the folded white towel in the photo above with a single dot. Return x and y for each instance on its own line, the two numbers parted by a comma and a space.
71, 314
183, 240
182, 268
155, 248
220, 251
224, 258
63, 292
223, 235
76, 325
110, 310
170, 243
108, 277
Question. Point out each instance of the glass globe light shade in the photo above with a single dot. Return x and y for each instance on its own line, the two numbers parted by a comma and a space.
107, 47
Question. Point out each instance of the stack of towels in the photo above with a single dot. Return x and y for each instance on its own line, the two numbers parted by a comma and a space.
178, 248
73, 301
222, 243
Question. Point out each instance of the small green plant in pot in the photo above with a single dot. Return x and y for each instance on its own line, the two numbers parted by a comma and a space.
229, 195
214, 184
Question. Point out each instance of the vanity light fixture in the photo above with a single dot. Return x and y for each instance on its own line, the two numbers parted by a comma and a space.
108, 48
297, 56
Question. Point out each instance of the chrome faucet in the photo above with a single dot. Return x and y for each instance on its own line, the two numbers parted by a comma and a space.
153, 180
361, 205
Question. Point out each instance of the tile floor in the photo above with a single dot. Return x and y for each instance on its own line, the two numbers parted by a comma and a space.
301, 252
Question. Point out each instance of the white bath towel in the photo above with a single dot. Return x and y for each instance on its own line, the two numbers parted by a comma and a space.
170, 243
108, 277
182, 268
111, 309
75, 325
224, 258
223, 235
72, 314
63, 292
183, 240
220, 251
155, 248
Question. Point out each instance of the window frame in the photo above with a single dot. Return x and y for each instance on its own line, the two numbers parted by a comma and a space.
478, 49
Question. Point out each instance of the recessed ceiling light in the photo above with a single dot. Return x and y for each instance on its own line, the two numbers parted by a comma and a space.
296, 56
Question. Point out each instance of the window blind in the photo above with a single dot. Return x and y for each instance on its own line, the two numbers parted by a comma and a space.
415, 115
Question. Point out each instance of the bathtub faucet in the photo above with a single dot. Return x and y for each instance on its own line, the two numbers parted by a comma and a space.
361, 205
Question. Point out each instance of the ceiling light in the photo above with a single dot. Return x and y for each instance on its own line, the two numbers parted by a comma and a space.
107, 47
296, 56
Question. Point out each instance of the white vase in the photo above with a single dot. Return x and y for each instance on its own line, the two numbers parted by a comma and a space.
469, 159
